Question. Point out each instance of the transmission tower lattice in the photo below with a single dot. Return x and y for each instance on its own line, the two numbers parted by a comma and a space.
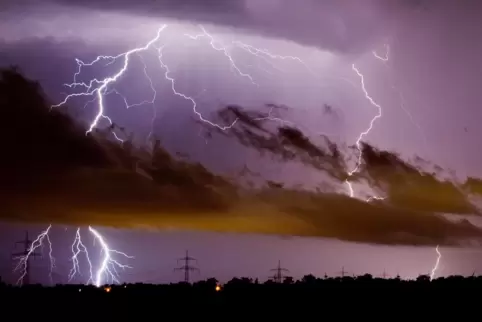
187, 268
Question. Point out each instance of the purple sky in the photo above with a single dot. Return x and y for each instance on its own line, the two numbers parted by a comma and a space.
225, 256
429, 92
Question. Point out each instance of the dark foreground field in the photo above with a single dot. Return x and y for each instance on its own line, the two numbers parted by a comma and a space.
359, 296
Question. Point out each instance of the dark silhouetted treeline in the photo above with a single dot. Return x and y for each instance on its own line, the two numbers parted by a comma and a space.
364, 294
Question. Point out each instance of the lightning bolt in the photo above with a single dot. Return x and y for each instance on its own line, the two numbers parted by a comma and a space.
437, 262
23, 261
364, 133
384, 58
186, 97
78, 247
99, 91
108, 269
109, 264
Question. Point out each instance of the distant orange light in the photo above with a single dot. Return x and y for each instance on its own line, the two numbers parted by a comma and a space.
218, 288
107, 289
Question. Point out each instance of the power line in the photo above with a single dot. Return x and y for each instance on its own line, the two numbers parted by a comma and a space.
278, 276
187, 268
27, 243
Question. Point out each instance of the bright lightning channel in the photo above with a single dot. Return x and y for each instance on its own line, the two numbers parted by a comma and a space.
109, 265
23, 261
108, 269
364, 133
384, 58
437, 262
78, 248
186, 97
100, 91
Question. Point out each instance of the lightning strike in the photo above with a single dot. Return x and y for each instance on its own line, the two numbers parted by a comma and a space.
100, 91
364, 133
437, 262
186, 97
384, 58
78, 247
38, 243
107, 269
109, 265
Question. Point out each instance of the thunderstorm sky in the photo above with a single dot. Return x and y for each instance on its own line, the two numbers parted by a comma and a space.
428, 90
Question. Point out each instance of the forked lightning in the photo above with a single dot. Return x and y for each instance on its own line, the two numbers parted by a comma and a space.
106, 272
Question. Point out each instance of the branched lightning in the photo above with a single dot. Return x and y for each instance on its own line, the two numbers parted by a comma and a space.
107, 271
78, 247
186, 97
100, 91
23, 261
109, 265
437, 262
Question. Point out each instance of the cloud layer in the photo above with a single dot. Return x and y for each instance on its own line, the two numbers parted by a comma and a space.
52, 172
346, 26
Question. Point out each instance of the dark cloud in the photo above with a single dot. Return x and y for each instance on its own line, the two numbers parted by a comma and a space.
50, 54
52, 172
50, 160
337, 216
407, 186
411, 185
289, 144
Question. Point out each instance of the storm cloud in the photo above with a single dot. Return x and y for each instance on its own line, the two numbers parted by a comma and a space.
415, 186
55, 173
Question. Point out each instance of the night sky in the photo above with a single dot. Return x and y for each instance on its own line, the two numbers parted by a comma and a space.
427, 88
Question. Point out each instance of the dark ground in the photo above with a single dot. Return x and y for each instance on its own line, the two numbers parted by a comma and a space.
320, 299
